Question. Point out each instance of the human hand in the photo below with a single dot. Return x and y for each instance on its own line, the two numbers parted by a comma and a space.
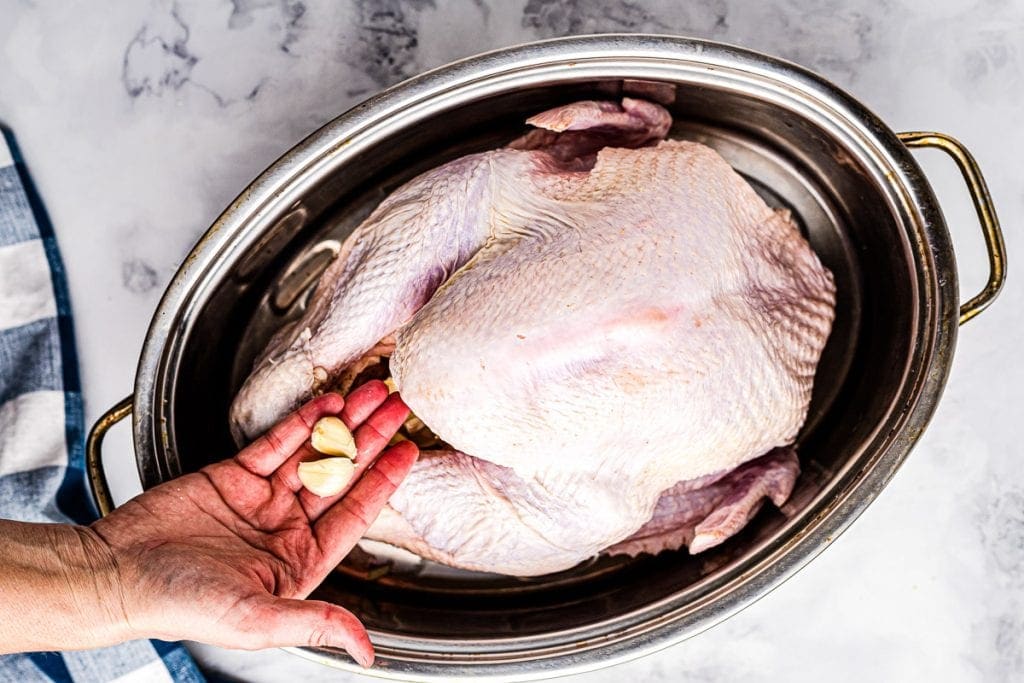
227, 554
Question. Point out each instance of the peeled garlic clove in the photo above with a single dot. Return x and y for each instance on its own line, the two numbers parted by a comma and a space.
327, 477
331, 437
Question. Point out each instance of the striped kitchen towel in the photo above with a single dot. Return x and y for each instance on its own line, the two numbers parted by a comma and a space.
41, 424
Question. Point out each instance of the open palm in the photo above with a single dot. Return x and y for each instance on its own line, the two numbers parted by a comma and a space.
227, 554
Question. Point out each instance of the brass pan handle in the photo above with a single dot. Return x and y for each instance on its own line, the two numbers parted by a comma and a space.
986, 215
94, 452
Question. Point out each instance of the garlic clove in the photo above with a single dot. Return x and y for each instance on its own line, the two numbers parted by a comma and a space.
326, 477
331, 437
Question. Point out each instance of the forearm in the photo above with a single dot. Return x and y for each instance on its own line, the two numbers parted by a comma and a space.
58, 589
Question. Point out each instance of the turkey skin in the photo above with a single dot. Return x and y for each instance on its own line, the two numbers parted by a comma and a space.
613, 334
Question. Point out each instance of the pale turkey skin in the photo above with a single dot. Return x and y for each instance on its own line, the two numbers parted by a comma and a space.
592, 329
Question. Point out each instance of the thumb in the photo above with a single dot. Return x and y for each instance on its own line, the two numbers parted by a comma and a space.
317, 624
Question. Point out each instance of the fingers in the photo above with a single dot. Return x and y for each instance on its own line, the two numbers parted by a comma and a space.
381, 416
374, 434
313, 623
361, 403
345, 522
371, 438
265, 454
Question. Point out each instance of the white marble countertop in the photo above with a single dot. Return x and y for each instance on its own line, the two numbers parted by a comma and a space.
141, 120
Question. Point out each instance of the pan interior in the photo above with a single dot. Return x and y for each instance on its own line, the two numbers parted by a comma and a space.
791, 162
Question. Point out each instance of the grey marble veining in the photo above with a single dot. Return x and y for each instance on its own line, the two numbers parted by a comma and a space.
141, 120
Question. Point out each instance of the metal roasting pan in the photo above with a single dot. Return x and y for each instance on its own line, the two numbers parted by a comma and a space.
850, 181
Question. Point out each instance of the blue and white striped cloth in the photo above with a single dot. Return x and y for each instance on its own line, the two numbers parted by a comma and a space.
41, 425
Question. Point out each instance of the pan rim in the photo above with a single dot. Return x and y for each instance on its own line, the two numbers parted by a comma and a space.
612, 55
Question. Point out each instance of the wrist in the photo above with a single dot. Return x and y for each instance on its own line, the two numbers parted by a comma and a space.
59, 589
94, 583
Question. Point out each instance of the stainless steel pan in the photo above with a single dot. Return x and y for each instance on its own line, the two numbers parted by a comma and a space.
804, 144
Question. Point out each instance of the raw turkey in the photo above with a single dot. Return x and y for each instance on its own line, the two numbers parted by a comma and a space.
614, 336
